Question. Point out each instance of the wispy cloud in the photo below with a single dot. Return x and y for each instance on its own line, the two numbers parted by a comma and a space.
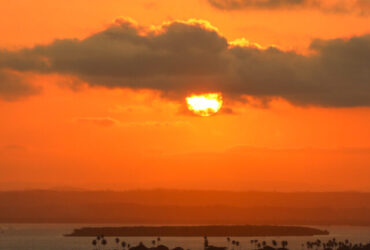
359, 7
100, 121
108, 122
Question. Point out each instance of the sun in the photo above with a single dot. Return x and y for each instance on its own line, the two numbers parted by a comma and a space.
205, 104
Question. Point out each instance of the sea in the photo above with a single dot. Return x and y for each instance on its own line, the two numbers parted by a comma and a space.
51, 237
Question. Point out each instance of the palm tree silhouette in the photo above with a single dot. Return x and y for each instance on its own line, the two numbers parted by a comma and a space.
308, 244
117, 240
274, 243
318, 243
259, 245
205, 242
284, 244
104, 242
123, 244
98, 243
255, 244
94, 243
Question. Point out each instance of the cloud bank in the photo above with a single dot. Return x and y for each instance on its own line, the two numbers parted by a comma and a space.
179, 58
361, 7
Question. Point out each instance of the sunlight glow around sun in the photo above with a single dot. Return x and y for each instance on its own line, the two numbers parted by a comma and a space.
205, 104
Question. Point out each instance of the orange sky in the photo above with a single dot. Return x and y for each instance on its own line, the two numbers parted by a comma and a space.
96, 137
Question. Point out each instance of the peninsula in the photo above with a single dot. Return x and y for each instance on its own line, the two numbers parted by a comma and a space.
199, 231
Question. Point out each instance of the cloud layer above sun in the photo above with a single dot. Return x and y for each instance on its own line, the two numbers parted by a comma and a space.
180, 58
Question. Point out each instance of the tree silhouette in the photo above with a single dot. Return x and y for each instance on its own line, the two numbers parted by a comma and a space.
98, 239
256, 244
104, 242
274, 243
205, 242
117, 240
94, 243
228, 242
284, 244
123, 244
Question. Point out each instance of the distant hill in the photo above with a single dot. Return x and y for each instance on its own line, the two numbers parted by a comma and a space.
185, 207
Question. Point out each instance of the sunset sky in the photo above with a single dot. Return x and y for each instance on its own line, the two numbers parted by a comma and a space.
93, 94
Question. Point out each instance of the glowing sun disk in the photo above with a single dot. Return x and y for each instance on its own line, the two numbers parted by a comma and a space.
206, 104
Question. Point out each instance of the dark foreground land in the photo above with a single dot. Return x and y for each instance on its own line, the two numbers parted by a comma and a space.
195, 231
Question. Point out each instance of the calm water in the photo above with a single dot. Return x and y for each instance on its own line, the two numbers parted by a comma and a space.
50, 237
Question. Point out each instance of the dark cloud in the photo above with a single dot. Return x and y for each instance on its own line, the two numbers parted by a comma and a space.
184, 57
12, 87
337, 75
361, 7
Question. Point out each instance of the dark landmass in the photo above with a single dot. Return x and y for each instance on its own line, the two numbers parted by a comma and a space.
158, 207
198, 231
